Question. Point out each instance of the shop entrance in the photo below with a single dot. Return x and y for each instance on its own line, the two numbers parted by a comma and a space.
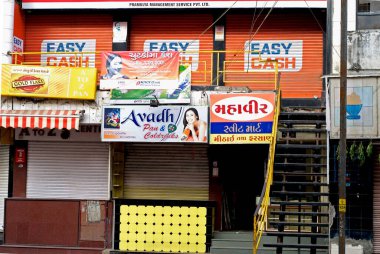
241, 178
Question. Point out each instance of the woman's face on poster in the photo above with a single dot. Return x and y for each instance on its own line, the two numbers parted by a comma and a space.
191, 117
116, 65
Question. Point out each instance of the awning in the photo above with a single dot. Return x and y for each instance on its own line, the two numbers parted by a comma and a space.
59, 119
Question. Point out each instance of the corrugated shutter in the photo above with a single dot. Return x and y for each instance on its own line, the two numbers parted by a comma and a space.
73, 170
4, 172
305, 83
67, 27
172, 28
166, 172
376, 200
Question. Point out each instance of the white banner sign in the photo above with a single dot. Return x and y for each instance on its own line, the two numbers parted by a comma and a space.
155, 124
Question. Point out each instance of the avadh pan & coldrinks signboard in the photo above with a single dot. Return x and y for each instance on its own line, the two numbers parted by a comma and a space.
155, 124
241, 118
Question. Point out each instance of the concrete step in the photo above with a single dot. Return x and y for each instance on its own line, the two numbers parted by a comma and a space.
239, 235
230, 250
218, 243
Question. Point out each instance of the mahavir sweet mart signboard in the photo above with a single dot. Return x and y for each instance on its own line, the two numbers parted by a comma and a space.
177, 4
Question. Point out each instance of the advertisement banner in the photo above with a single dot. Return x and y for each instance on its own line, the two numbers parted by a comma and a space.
188, 49
165, 124
48, 82
287, 53
241, 118
181, 94
139, 70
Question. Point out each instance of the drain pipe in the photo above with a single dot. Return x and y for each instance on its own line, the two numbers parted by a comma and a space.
6, 30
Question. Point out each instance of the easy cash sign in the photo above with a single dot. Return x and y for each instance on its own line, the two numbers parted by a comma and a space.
241, 118
287, 53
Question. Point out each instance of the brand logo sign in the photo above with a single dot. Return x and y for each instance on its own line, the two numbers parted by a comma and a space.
58, 53
287, 53
189, 49
241, 118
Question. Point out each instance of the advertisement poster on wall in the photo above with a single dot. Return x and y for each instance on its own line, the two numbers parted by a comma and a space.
164, 124
139, 70
48, 82
241, 118
180, 94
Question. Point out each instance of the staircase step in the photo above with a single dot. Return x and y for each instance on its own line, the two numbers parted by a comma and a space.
286, 173
303, 121
297, 203
299, 146
300, 224
301, 113
300, 193
297, 234
298, 155
299, 164
239, 235
299, 213
229, 250
232, 243
301, 130
301, 183
297, 246
303, 139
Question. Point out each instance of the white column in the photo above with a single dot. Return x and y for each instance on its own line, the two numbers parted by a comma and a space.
6, 33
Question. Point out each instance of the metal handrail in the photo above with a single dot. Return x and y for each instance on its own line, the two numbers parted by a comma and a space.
231, 70
261, 213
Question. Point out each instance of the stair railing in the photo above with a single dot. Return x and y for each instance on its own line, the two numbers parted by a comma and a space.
260, 217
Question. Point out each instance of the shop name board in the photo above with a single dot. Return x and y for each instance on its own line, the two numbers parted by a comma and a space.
189, 49
155, 124
57, 53
88, 133
241, 118
288, 54
88, 4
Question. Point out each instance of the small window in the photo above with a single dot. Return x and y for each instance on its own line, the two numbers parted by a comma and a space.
364, 7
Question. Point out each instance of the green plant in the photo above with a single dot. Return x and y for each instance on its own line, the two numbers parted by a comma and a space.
353, 151
369, 149
361, 154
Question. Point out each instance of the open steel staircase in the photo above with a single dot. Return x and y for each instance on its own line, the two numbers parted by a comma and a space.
299, 211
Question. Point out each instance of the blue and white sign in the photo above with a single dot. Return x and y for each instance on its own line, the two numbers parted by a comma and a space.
18, 44
287, 53
189, 49
58, 53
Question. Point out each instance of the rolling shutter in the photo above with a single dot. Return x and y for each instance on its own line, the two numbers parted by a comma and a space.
4, 172
168, 30
376, 200
68, 170
300, 27
166, 172
67, 27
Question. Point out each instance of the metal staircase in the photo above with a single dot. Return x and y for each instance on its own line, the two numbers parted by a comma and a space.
299, 208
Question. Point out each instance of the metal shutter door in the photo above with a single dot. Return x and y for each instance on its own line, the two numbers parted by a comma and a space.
305, 83
67, 27
166, 172
4, 171
376, 200
72, 170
